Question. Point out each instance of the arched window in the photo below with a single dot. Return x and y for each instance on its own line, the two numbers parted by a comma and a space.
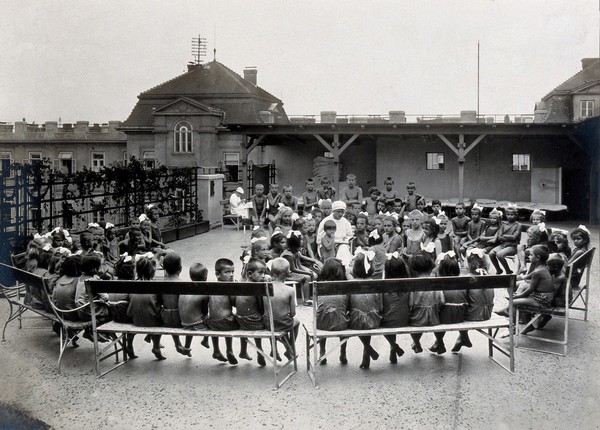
183, 137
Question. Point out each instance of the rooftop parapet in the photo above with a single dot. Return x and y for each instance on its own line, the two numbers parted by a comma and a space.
400, 117
52, 130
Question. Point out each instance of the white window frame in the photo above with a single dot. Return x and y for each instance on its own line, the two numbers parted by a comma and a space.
435, 161
521, 162
149, 158
65, 158
183, 141
5, 155
236, 156
35, 157
587, 108
98, 163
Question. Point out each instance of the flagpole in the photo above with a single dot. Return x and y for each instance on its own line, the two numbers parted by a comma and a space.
478, 80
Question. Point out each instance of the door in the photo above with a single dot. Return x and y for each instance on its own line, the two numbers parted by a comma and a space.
546, 185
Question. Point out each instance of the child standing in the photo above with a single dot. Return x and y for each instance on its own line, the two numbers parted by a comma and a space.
445, 240
370, 204
352, 195
430, 241
411, 198
220, 312
365, 309
424, 305
389, 194
327, 246
392, 241
414, 236
258, 210
327, 192
509, 236
311, 236
332, 311
309, 196
249, 309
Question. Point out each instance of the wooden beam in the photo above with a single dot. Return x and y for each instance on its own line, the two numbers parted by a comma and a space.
474, 144
348, 142
447, 142
323, 142
255, 143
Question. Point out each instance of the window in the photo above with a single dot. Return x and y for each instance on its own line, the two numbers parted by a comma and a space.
521, 162
435, 161
97, 161
587, 108
231, 161
183, 137
149, 161
5, 162
125, 157
65, 162
34, 158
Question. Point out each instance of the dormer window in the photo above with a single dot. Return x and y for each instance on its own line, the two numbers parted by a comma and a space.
183, 137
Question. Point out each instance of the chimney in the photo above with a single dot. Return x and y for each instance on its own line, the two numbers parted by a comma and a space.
192, 66
250, 74
586, 62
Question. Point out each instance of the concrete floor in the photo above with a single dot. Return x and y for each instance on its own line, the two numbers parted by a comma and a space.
452, 391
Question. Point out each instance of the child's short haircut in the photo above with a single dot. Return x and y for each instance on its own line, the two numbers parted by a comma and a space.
397, 200
411, 184
221, 263
325, 179
198, 272
439, 203
362, 216
554, 260
254, 264
541, 252
396, 268
274, 184
259, 185
391, 219
329, 225
71, 266
172, 263
374, 190
259, 232
90, 264
145, 268
459, 204
288, 187
125, 270
434, 227
350, 176
255, 247
388, 180
510, 209
280, 268
309, 180
421, 262
317, 210
89, 237
332, 270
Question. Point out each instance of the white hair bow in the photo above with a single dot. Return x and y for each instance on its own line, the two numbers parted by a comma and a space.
443, 255
147, 255
308, 217
280, 205
394, 254
477, 251
406, 218
56, 230
561, 231
108, 225
476, 207
539, 211
440, 213
481, 271
47, 235
126, 257
394, 215
142, 217
437, 220
584, 228
430, 247
150, 206
295, 216
69, 239
542, 227
497, 212
247, 258
511, 206
37, 236
369, 255
364, 213
79, 252
323, 200
62, 250
294, 232
256, 239
374, 234
47, 247
256, 227
93, 224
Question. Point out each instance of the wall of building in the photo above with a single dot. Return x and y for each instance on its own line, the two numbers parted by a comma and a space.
591, 94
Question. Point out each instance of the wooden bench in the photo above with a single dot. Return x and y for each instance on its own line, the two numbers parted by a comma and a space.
20, 299
578, 302
488, 328
192, 288
226, 215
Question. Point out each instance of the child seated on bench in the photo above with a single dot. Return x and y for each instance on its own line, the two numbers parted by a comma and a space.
170, 302
193, 309
509, 236
424, 305
220, 312
537, 234
395, 305
249, 309
283, 303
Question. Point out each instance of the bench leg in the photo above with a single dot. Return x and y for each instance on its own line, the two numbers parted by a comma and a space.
12, 316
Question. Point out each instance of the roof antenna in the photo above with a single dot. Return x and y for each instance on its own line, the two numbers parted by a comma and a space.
215, 42
198, 49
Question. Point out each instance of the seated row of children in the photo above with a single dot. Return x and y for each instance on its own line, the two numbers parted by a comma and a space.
194, 312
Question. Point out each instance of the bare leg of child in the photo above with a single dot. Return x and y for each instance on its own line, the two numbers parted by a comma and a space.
156, 347
462, 340
229, 351
217, 351
501, 256
494, 261
438, 345
204, 342
274, 349
416, 346
180, 348
244, 349
259, 357
322, 351
148, 339
368, 352
188, 343
395, 350
129, 349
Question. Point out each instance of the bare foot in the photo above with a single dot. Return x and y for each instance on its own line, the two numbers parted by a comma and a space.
204, 343
245, 356
183, 350
231, 358
441, 348
131, 353
393, 358
458, 345
260, 360
74, 342
434, 347
417, 348
343, 359
218, 356
157, 354
278, 356
372, 353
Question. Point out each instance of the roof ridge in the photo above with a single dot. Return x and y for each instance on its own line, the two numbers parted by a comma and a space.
244, 81
581, 71
166, 82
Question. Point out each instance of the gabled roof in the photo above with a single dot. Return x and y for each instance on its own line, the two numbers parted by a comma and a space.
213, 85
586, 77
201, 107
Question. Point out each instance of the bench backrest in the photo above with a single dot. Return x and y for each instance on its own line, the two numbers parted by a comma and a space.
575, 270
18, 260
33, 282
182, 287
369, 286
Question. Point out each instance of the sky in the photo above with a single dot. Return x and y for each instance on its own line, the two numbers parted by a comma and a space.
86, 60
